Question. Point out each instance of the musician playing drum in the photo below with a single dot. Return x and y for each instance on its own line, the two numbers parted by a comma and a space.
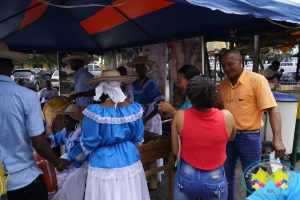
83, 93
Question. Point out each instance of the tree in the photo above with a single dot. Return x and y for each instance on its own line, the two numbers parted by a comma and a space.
50, 60
37, 60
94, 58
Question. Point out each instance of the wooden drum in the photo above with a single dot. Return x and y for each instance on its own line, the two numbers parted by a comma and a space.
53, 120
49, 174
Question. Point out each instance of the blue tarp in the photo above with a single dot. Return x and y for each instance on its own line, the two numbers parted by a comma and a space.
27, 25
279, 10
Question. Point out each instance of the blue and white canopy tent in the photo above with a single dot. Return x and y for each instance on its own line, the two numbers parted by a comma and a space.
49, 26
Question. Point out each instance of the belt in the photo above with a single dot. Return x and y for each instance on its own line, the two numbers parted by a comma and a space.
247, 132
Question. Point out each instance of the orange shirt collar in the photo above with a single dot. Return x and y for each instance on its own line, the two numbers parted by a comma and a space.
241, 79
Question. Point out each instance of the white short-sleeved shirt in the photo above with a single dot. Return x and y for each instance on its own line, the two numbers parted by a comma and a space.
270, 72
48, 94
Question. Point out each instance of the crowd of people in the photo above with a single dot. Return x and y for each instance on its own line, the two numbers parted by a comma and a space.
212, 130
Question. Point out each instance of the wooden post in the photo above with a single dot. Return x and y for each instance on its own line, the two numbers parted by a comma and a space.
152, 178
171, 160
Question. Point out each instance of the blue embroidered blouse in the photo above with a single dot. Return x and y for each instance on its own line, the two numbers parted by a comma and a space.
147, 94
109, 134
72, 141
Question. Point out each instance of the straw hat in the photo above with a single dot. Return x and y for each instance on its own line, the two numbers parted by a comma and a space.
77, 56
110, 75
141, 60
70, 110
15, 56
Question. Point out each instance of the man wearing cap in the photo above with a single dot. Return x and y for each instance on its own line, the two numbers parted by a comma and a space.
84, 94
246, 95
22, 128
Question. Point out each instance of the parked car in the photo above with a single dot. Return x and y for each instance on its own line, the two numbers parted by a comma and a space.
55, 79
92, 66
95, 72
288, 76
32, 78
289, 66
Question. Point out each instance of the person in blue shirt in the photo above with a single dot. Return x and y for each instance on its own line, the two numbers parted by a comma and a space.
22, 128
74, 177
110, 132
184, 74
84, 94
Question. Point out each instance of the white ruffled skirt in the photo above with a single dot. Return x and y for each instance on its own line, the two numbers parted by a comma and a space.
71, 183
127, 183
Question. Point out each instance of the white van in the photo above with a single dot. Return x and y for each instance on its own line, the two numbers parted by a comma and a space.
288, 66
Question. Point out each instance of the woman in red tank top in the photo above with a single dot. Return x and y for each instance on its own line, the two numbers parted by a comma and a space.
204, 132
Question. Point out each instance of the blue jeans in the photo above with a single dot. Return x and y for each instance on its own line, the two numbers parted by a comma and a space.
247, 147
193, 183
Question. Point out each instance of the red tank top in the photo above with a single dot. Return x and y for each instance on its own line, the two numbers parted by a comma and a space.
204, 138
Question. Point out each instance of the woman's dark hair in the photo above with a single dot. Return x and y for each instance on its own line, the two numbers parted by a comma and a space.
202, 92
188, 71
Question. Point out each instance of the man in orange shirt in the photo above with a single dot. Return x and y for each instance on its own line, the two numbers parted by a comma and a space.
246, 95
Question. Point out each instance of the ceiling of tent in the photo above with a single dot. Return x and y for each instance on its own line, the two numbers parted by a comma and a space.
27, 25
282, 40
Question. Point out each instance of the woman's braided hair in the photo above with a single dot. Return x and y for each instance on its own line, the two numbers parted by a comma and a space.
202, 92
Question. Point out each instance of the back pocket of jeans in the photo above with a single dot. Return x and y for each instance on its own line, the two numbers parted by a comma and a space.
216, 189
183, 184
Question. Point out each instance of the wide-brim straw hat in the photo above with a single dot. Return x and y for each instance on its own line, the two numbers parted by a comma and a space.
16, 57
110, 75
76, 56
140, 60
70, 110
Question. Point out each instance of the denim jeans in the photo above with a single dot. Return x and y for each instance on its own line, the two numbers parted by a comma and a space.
193, 183
247, 147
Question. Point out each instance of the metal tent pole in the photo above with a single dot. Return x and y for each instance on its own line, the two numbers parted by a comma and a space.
297, 126
203, 57
256, 54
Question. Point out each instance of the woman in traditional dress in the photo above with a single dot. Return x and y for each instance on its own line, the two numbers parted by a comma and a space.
71, 181
110, 132
146, 93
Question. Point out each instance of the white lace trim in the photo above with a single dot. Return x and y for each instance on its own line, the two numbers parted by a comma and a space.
161, 98
52, 139
63, 135
116, 173
139, 143
73, 137
110, 120
86, 152
145, 86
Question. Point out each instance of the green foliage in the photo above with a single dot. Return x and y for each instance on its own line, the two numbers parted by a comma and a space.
36, 60
94, 58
